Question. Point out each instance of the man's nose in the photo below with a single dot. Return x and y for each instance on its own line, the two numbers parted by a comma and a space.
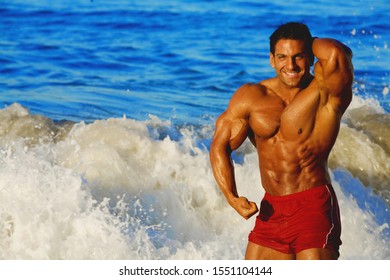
291, 64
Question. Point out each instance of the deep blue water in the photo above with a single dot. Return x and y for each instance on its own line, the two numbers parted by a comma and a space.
179, 60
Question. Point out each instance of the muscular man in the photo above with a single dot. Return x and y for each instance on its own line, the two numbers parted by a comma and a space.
293, 120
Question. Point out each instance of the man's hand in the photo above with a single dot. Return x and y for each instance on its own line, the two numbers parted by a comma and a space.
244, 207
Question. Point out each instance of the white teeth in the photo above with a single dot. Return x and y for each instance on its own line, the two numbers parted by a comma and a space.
291, 74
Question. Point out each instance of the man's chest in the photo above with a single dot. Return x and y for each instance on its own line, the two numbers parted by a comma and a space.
291, 121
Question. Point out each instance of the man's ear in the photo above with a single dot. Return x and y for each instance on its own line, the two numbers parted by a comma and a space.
272, 60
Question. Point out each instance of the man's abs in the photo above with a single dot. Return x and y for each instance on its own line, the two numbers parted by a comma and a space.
288, 168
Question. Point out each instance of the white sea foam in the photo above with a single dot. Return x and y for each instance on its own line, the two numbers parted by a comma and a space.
359, 102
117, 189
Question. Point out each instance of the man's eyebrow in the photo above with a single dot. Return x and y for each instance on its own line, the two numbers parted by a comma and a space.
282, 54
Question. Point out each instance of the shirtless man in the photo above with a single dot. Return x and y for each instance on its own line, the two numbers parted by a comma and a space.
293, 120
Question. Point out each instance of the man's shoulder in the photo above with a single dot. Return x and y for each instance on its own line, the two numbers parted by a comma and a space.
242, 101
251, 90
260, 86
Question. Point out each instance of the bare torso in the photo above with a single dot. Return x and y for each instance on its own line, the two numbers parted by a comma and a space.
293, 137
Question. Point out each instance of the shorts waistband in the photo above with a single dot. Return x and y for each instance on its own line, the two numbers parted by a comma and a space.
298, 195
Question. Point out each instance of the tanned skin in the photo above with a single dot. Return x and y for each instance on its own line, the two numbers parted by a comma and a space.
293, 120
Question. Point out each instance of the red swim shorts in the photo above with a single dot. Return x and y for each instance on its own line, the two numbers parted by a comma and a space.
304, 220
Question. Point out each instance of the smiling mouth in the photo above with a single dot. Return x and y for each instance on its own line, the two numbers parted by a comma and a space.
292, 74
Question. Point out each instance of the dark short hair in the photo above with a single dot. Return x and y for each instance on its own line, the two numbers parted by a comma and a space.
293, 31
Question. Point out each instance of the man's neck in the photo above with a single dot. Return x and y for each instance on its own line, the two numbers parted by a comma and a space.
287, 94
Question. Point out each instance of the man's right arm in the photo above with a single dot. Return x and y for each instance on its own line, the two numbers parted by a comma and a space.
220, 158
231, 131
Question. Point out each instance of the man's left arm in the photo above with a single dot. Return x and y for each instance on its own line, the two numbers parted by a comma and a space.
333, 72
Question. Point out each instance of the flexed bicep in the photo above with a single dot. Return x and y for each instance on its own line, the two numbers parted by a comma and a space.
239, 132
334, 71
231, 131
334, 67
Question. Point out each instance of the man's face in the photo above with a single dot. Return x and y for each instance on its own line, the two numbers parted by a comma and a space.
291, 62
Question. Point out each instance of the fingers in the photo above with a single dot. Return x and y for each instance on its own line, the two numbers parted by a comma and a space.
246, 208
245, 202
253, 210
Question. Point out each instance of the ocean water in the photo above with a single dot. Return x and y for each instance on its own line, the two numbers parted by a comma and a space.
107, 110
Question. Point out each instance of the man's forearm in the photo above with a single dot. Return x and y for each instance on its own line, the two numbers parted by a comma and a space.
224, 174
223, 170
